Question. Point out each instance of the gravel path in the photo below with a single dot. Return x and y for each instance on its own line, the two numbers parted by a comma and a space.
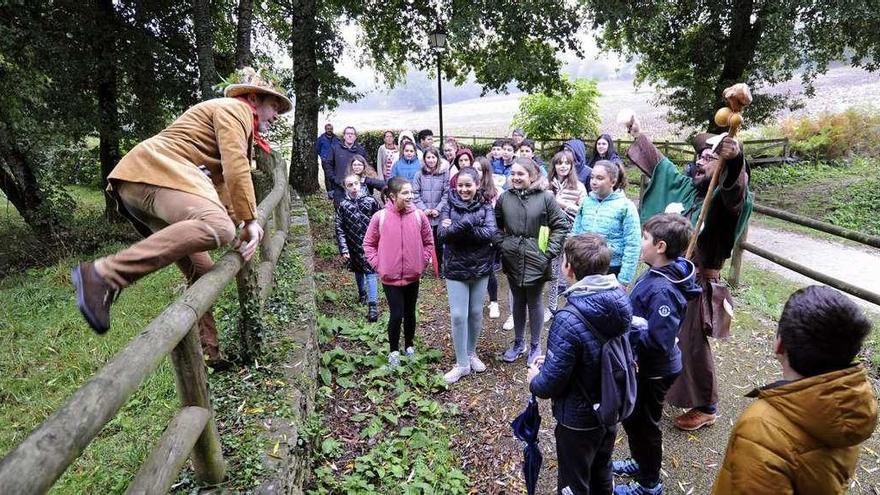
858, 265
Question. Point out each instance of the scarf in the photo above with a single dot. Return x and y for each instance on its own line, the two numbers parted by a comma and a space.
259, 140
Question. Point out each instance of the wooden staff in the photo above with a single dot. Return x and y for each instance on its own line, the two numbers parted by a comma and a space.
738, 97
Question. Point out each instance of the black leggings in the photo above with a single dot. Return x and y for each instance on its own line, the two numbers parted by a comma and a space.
493, 287
402, 309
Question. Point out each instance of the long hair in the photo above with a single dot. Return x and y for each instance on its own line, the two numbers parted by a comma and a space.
610, 155
369, 171
571, 180
487, 182
431, 151
473, 174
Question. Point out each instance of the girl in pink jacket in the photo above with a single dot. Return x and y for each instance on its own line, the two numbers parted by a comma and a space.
399, 245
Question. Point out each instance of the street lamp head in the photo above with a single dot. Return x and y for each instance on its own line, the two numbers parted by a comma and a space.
437, 39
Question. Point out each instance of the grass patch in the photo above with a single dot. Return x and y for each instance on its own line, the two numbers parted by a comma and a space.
844, 193
47, 351
763, 294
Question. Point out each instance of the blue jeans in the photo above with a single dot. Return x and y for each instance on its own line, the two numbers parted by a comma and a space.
371, 281
466, 309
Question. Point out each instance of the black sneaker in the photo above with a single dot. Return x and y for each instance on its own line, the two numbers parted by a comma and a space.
372, 313
93, 296
362, 297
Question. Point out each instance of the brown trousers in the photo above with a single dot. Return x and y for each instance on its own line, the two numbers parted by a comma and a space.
179, 228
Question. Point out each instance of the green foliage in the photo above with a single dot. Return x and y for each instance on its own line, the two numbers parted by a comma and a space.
692, 50
855, 132
845, 193
574, 111
407, 445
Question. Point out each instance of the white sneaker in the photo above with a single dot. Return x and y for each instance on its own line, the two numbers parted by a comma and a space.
477, 365
494, 311
455, 374
394, 360
547, 315
410, 351
508, 323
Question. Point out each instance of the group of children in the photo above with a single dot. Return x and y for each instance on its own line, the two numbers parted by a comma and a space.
509, 208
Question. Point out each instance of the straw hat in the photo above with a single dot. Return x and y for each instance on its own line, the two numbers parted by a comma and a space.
251, 82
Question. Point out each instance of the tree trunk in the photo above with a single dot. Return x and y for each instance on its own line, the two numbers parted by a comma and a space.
19, 183
243, 33
303, 52
204, 47
104, 51
741, 47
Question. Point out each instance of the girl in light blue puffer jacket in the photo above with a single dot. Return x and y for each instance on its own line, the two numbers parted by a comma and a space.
607, 211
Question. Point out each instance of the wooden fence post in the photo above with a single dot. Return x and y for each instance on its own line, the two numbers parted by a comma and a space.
192, 388
736, 259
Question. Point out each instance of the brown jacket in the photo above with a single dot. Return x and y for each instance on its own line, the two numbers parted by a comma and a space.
215, 133
801, 437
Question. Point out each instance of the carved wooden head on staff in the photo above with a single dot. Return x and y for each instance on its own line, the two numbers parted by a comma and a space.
738, 97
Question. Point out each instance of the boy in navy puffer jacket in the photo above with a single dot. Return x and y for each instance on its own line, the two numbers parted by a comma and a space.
570, 374
660, 296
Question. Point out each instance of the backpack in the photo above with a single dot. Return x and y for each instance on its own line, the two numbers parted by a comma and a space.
618, 376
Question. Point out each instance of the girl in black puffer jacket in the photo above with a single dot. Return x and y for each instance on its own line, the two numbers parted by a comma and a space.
353, 216
467, 224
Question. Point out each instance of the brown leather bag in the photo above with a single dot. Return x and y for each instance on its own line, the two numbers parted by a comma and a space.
716, 309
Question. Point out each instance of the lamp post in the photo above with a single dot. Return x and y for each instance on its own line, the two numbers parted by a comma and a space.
437, 41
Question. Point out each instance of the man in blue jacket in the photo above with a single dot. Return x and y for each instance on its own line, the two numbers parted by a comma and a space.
323, 147
660, 297
336, 166
570, 374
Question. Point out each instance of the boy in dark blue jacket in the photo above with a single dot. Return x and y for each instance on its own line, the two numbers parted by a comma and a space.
659, 296
570, 374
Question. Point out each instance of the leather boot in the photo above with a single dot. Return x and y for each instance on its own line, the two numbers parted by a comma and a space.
210, 345
372, 313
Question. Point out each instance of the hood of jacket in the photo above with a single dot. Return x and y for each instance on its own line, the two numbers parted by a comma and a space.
838, 408
682, 273
441, 168
474, 204
463, 151
535, 187
579, 150
610, 314
414, 161
404, 134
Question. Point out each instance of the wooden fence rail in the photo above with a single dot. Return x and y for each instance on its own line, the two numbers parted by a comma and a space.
37, 462
744, 245
758, 151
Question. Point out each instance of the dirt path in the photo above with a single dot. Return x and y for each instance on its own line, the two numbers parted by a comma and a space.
858, 265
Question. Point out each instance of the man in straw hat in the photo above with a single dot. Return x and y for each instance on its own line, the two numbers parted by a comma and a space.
708, 315
185, 190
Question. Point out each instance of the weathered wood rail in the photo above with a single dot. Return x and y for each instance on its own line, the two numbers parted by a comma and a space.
758, 151
744, 245
37, 462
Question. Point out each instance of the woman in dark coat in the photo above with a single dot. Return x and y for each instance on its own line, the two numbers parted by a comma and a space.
521, 213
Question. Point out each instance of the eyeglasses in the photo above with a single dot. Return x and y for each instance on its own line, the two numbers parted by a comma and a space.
707, 157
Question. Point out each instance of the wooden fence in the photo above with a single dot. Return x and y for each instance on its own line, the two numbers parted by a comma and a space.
744, 245
36, 463
758, 151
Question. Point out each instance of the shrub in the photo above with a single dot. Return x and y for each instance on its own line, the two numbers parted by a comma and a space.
835, 135
572, 113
